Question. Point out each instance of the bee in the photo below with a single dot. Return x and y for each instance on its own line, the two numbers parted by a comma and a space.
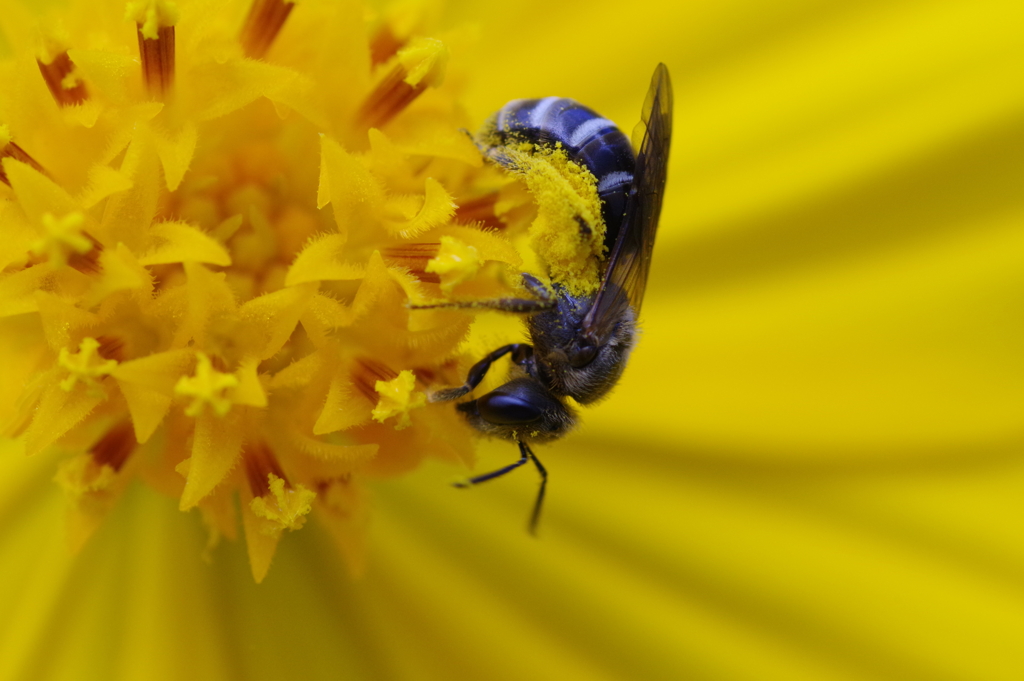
579, 344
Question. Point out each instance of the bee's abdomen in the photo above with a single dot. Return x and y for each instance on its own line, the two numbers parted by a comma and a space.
588, 139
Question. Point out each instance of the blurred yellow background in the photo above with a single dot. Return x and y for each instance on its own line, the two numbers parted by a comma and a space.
814, 465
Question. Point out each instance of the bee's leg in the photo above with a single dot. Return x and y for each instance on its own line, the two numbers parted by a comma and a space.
536, 287
543, 300
527, 455
520, 352
517, 305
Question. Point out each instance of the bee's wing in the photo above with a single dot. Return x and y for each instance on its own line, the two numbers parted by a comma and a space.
630, 260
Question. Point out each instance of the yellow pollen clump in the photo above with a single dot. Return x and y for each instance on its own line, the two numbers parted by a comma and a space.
397, 398
86, 365
568, 232
207, 387
63, 237
81, 476
152, 15
425, 60
283, 508
455, 262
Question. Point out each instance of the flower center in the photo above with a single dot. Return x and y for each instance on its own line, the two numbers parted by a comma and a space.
219, 238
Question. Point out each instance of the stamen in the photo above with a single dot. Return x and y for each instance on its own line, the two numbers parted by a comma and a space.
85, 366
365, 374
208, 386
9, 149
155, 20
66, 243
260, 463
419, 65
397, 398
456, 262
384, 45
414, 257
88, 262
266, 17
111, 347
64, 83
114, 448
480, 210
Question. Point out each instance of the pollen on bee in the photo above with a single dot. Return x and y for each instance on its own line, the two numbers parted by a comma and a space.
263, 23
61, 78
417, 66
114, 448
260, 463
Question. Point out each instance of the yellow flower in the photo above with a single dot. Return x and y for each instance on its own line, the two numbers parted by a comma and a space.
808, 471
178, 237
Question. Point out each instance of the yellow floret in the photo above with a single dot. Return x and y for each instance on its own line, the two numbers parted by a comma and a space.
207, 386
63, 237
284, 507
398, 398
86, 365
455, 262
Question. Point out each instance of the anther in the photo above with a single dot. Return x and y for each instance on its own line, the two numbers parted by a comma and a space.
365, 374
266, 17
260, 463
9, 149
114, 448
62, 79
384, 45
111, 347
88, 262
414, 257
155, 20
66, 243
480, 210
419, 65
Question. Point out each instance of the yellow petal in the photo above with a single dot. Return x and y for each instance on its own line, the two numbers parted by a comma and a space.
436, 208
321, 260
271, 318
175, 151
58, 412
37, 194
62, 321
249, 390
343, 409
182, 242
128, 214
216, 446
103, 182
355, 195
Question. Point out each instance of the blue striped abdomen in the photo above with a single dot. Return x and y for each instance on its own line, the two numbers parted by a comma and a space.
588, 139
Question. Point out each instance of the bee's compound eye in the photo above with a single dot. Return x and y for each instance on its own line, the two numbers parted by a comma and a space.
508, 409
